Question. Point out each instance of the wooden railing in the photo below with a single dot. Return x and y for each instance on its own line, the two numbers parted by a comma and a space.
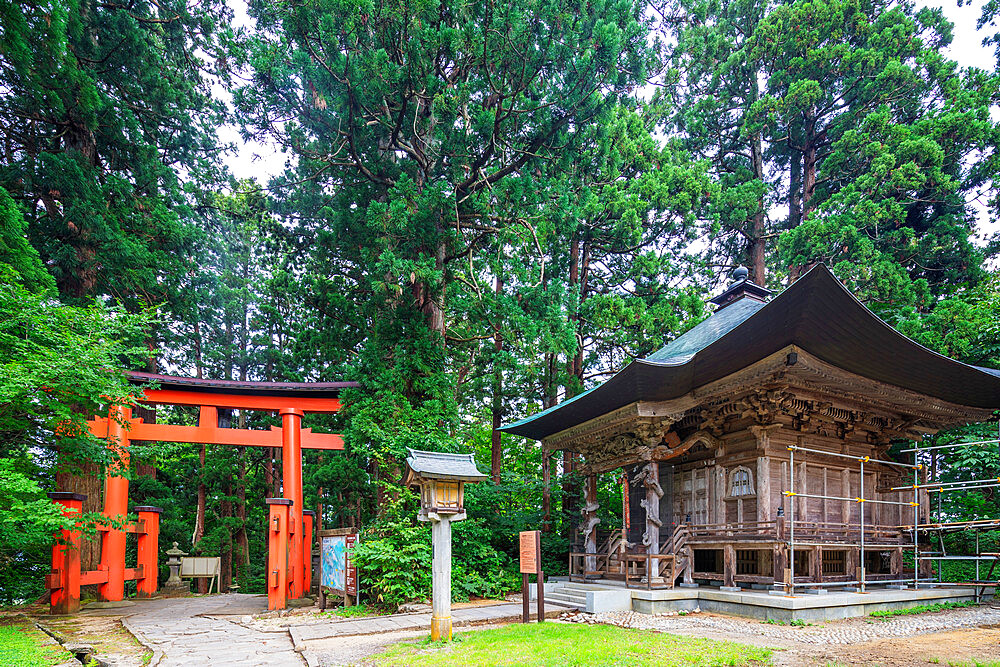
658, 570
578, 565
745, 529
779, 529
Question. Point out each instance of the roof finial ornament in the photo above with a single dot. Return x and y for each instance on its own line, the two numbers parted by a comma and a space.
740, 288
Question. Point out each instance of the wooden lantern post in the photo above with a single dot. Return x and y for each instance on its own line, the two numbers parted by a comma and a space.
441, 479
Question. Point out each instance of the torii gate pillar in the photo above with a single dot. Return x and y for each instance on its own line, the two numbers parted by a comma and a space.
115, 507
291, 468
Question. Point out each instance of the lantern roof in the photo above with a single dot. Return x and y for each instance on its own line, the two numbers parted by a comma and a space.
442, 465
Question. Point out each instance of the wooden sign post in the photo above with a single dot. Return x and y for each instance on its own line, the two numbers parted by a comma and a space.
531, 563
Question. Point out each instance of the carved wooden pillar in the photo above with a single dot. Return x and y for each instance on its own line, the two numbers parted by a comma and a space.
764, 489
816, 564
853, 561
719, 481
590, 522
651, 480
764, 499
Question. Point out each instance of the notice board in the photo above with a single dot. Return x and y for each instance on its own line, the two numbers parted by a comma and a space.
337, 572
531, 546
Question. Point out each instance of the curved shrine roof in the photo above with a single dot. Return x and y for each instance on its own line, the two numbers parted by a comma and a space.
816, 313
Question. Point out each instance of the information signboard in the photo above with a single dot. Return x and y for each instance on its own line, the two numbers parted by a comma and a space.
530, 542
337, 572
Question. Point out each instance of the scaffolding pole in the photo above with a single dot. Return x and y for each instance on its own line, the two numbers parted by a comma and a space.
954, 445
791, 523
861, 507
948, 487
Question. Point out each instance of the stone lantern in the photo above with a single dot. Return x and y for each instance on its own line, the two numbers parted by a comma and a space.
441, 480
174, 582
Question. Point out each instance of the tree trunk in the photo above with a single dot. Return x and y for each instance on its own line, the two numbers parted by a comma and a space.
89, 482
546, 491
758, 242
144, 468
496, 450
269, 472
226, 553
199, 519
809, 162
795, 188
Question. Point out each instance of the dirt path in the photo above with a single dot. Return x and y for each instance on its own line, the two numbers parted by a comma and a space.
959, 647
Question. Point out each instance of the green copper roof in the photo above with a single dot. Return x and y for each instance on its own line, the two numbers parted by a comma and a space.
706, 332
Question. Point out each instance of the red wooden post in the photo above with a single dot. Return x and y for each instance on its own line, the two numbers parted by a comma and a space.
148, 549
291, 462
64, 580
115, 505
277, 552
308, 518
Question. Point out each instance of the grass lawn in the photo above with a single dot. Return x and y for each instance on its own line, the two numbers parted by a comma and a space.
572, 645
24, 645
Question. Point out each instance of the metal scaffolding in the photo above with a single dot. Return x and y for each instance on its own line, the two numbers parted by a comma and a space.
861, 500
940, 527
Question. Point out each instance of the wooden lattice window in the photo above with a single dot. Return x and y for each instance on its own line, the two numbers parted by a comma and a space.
747, 561
834, 563
741, 482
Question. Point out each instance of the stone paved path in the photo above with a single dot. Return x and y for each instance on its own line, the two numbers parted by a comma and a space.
190, 632
845, 631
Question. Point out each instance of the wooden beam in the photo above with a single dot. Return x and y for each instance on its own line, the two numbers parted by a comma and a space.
241, 401
210, 434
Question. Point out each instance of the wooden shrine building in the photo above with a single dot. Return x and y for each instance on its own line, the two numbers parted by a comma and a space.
768, 402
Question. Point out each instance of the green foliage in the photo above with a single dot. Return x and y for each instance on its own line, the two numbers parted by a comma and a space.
481, 215
15, 250
393, 558
921, 609
118, 101
58, 364
354, 611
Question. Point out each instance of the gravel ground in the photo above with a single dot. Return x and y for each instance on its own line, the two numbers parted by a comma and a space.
848, 631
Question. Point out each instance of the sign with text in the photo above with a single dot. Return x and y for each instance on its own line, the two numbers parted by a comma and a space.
531, 547
338, 573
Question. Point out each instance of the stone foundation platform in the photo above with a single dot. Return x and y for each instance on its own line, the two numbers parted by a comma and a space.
759, 604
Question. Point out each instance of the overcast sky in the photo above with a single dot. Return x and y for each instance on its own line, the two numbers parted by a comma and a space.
253, 160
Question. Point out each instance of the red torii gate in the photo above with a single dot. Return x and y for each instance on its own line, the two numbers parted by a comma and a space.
290, 530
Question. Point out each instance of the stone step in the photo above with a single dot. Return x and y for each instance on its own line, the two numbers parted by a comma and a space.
582, 590
567, 597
